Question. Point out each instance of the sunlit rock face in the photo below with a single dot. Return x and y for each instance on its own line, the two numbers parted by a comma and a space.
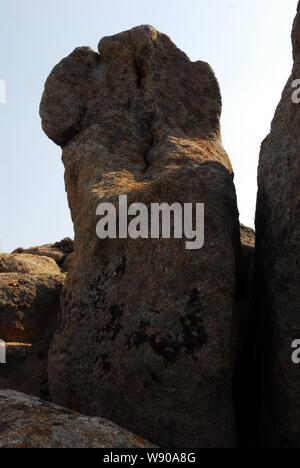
278, 267
147, 335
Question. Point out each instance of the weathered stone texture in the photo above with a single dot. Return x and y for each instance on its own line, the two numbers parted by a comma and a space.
27, 422
147, 336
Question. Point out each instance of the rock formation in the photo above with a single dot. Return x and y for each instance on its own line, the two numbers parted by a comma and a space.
60, 252
188, 348
27, 422
147, 335
277, 271
30, 289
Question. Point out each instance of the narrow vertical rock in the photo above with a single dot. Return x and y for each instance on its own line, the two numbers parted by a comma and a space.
277, 268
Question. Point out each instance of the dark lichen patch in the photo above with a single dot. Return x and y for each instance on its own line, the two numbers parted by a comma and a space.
165, 347
114, 325
155, 378
105, 363
169, 348
194, 334
121, 269
4, 426
194, 298
96, 286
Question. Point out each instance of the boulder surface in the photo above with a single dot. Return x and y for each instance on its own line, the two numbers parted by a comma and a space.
27, 422
28, 264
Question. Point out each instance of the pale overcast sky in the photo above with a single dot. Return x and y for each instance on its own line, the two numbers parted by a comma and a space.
247, 42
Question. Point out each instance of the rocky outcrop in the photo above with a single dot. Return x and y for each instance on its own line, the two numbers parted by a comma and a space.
147, 335
277, 271
30, 290
59, 252
27, 422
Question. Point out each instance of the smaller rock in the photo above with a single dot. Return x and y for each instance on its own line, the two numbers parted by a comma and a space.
28, 264
247, 236
57, 251
66, 246
29, 306
248, 249
27, 422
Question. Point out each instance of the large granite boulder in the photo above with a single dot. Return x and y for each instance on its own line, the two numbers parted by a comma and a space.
27, 422
147, 335
277, 267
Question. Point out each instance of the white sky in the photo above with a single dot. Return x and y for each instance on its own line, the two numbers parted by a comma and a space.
247, 42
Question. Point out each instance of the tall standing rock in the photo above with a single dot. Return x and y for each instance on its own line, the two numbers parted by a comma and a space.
147, 336
278, 266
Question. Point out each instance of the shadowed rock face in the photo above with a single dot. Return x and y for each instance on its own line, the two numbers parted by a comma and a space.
27, 422
277, 266
147, 336
26, 368
30, 289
